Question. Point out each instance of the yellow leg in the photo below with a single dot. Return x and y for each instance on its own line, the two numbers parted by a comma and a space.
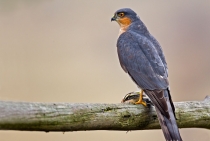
140, 101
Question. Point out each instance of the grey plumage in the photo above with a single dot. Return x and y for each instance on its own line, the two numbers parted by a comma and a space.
141, 56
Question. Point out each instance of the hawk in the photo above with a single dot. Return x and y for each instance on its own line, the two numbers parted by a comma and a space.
141, 56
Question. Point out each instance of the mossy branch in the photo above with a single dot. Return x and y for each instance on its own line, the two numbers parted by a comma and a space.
80, 116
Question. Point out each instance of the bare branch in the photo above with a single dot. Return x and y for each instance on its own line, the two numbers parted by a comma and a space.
80, 116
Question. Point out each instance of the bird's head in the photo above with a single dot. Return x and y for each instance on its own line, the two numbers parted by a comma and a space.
124, 16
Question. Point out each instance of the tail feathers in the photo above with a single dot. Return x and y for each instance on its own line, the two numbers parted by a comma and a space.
165, 112
169, 125
171, 102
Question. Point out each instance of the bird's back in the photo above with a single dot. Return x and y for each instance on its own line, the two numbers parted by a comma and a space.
139, 57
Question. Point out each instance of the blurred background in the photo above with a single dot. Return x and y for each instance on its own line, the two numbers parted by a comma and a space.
65, 51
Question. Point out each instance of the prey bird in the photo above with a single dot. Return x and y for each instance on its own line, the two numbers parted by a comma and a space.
141, 56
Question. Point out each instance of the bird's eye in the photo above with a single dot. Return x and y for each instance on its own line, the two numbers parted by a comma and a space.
121, 15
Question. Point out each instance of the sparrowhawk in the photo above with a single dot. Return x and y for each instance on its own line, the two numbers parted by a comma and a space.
141, 56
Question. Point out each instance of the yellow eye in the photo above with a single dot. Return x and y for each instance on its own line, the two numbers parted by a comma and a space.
121, 15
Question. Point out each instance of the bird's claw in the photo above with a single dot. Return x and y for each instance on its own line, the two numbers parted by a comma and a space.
133, 98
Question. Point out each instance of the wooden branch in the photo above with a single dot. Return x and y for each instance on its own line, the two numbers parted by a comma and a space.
79, 116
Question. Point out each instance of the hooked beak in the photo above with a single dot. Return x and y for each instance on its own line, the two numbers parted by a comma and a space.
114, 18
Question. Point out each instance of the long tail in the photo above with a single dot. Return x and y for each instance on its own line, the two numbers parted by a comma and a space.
165, 112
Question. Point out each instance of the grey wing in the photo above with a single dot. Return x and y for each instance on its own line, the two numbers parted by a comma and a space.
139, 57
159, 50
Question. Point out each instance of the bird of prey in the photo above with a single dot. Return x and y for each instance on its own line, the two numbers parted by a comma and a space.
141, 56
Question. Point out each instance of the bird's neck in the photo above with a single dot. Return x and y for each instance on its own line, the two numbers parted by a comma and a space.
138, 27
123, 28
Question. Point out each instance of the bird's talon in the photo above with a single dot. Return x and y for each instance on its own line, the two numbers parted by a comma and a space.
141, 102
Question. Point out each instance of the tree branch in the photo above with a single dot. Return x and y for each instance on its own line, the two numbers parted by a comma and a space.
80, 116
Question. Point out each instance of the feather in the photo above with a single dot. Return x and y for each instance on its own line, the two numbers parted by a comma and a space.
141, 57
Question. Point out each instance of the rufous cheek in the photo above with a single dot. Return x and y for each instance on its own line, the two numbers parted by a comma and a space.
124, 21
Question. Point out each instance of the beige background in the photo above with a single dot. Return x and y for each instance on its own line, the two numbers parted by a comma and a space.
65, 51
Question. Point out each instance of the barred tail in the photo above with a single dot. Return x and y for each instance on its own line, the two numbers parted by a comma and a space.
165, 112
169, 126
